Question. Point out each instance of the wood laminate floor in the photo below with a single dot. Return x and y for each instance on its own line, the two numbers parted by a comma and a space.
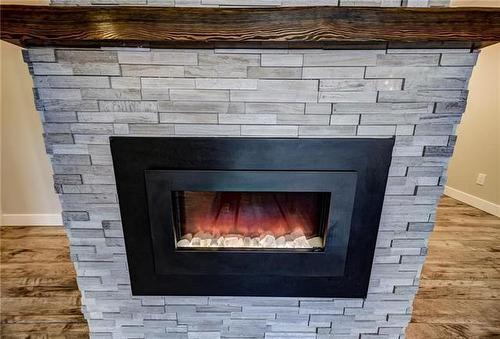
39, 296
458, 295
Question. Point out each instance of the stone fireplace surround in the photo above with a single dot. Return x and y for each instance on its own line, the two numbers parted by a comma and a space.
87, 95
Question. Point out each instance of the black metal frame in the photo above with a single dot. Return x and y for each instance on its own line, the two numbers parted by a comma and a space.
169, 260
354, 171
178, 202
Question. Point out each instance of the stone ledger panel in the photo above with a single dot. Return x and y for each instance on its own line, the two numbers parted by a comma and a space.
86, 96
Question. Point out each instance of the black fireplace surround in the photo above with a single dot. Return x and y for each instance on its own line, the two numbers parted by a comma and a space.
351, 172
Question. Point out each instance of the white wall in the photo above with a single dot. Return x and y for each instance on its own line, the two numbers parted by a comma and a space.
478, 144
27, 194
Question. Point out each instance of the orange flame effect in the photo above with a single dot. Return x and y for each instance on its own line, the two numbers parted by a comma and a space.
250, 213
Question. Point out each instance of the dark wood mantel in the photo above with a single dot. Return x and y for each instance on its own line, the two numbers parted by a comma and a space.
304, 27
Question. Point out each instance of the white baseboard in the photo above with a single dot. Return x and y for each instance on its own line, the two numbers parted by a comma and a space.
31, 219
474, 201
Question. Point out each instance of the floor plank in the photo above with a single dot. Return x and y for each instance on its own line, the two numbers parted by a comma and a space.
451, 331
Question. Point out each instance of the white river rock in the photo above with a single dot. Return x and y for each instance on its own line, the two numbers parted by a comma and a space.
296, 239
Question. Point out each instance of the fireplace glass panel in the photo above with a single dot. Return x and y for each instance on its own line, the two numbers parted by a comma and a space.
250, 220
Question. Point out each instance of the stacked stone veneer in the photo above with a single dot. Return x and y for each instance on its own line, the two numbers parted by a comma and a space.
86, 96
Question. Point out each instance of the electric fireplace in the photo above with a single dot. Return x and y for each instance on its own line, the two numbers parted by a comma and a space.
243, 216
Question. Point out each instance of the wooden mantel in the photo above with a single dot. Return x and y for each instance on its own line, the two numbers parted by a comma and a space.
302, 27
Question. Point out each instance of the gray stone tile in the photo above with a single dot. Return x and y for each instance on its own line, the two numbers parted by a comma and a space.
389, 119
199, 95
121, 128
454, 59
118, 117
345, 119
310, 3
70, 159
388, 130
361, 85
68, 105
59, 93
77, 81
111, 94
84, 56
250, 50
152, 70
275, 108
155, 83
359, 96
405, 129
326, 131
125, 83
456, 107
70, 149
158, 58
308, 119
41, 54
430, 83
258, 72
207, 130
155, 94
194, 106
318, 108
333, 72
96, 68
241, 2
216, 71
286, 60
91, 139
441, 119
247, 119
274, 95
343, 58
229, 59
83, 128
59, 116
288, 85
366, 108
422, 140
188, 118
434, 129
421, 96
128, 106
408, 60
369, 3
226, 83
266, 130
409, 71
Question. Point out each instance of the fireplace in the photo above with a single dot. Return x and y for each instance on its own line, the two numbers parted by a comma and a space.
249, 216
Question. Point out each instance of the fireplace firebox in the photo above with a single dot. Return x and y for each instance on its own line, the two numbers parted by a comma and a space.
251, 220
248, 216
